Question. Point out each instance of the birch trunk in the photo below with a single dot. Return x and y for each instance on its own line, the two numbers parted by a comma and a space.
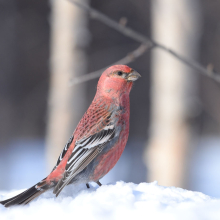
66, 104
174, 24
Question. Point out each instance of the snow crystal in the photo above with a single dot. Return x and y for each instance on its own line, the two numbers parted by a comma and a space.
117, 201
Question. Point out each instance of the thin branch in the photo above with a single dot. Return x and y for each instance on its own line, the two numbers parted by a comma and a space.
113, 24
129, 58
144, 40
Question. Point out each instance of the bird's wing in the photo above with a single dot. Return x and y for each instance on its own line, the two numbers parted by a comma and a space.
86, 149
63, 153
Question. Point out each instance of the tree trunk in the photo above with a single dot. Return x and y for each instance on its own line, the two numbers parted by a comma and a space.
174, 24
66, 104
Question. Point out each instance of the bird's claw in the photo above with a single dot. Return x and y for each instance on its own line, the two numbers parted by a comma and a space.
99, 183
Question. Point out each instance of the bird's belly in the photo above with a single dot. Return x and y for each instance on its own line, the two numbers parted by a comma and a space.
108, 160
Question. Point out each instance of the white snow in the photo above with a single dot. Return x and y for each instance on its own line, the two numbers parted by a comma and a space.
117, 201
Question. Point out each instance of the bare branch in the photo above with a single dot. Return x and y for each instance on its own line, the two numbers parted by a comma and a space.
113, 24
129, 58
144, 40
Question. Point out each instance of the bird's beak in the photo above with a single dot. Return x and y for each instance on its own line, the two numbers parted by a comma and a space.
133, 76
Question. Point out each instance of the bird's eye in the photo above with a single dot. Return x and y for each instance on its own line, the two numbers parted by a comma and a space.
120, 73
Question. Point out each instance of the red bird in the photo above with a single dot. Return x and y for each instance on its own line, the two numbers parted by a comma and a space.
97, 142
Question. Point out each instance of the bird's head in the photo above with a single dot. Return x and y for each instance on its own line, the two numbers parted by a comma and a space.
117, 79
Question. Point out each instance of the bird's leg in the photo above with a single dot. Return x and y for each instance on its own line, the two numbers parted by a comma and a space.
87, 185
99, 183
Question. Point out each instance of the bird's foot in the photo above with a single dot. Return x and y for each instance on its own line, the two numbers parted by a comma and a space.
87, 185
99, 183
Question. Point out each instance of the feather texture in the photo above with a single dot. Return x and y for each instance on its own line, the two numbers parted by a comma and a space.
85, 150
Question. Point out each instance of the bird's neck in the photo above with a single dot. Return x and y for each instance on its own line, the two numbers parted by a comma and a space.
110, 96
113, 88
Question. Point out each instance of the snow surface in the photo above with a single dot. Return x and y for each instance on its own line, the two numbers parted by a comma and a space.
117, 201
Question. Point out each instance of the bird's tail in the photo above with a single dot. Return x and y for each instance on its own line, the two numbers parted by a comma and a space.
28, 195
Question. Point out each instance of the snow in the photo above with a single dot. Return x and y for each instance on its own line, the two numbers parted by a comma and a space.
117, 201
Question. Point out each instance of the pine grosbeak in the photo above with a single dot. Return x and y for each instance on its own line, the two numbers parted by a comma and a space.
97, 142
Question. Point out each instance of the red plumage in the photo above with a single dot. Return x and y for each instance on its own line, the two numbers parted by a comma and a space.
97, 142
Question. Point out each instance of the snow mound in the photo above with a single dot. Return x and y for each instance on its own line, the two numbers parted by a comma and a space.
117, 201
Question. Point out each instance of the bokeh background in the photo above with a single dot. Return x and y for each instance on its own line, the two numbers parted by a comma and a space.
175, 111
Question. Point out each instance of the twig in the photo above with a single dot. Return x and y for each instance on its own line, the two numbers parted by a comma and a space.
144, 40
113, 24
129, 58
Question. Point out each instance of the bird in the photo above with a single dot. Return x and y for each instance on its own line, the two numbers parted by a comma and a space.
98, 140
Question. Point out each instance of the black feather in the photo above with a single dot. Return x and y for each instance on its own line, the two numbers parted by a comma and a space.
26, 196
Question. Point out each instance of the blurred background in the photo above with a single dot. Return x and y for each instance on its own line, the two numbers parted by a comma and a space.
175, 111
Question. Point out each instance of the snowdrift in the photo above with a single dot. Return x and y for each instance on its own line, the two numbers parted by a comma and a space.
116, 201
